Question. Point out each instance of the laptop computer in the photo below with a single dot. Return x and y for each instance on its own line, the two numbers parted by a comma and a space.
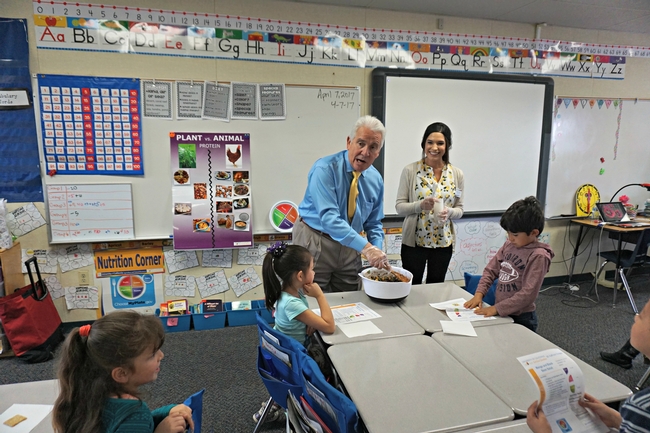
614, 213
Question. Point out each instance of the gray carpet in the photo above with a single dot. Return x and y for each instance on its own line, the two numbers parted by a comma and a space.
223, 361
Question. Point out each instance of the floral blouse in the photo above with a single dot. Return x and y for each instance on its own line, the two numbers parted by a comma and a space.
427, 233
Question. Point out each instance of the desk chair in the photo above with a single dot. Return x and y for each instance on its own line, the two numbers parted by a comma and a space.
471, 284
279, 360
333, 407
627, 260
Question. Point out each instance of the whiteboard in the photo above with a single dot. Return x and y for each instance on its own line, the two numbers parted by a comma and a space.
586, 130
500, 127
89, 213
319, 119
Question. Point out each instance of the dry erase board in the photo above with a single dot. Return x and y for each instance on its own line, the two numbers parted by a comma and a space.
598, 141
501, 128
89, 213
318, 122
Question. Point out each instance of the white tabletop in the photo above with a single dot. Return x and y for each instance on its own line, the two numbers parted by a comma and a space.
417, 305
393, 321
412, 385
41, 392
492, 357
515, 426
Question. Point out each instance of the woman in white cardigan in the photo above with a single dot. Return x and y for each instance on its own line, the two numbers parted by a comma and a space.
429, 184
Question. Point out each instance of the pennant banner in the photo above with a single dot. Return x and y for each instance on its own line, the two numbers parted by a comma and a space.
88, 27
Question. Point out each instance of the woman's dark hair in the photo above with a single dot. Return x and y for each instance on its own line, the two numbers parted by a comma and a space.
523, 216
445, 131
278, 269
86, 364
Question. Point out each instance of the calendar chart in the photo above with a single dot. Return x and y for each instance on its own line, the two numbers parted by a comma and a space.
91, 125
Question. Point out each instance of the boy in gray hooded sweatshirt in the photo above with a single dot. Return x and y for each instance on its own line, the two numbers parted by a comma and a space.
520, 264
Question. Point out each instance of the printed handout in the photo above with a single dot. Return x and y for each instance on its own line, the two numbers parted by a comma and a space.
350, 313
561, 386
456, 312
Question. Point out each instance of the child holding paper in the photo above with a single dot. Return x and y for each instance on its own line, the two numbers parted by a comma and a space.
635, 412
520, 264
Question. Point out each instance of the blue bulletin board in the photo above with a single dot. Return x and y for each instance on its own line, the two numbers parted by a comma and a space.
91, 125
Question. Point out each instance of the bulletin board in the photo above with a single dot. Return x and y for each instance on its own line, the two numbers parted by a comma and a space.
598, 141
501, 131
318, 121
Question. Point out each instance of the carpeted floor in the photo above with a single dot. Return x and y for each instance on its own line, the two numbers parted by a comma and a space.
223, 361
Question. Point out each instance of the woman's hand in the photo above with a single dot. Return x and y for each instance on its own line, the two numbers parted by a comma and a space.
607, 415
427, 204
172, 424
443, 216
313, 290
536, 419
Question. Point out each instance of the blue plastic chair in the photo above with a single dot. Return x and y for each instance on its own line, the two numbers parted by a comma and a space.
279, 360
336, 410
471, 283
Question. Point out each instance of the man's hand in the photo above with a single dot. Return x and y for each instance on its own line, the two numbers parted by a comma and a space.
375, 256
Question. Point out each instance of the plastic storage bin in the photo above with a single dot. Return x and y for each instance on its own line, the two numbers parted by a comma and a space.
244, 317
182, 322
206, 321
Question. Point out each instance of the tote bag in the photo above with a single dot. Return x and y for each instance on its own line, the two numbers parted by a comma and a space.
30, 320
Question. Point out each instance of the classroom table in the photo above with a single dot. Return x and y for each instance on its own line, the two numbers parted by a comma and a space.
492, 358
41, 392
393, 321
417, 305
412, 385
514, 426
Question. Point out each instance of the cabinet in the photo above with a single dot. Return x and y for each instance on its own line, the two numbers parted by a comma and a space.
11, 259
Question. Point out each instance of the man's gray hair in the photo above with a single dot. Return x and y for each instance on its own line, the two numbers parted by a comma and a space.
370, 122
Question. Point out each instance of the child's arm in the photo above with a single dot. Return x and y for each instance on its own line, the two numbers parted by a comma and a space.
607, 415
490, 273
324, 322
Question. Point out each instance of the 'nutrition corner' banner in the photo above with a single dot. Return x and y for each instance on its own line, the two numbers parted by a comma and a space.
138, 261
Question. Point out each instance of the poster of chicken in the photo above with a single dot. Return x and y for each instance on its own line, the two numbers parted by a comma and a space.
211, 190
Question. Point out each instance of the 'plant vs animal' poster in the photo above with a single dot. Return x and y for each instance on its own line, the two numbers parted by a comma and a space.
211, 190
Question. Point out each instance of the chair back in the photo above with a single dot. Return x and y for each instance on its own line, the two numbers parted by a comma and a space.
471, 283
336, 410
278, 362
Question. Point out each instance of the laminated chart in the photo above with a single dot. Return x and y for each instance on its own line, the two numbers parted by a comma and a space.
91, 125
212, 284
216, 259
180, 286
244, 281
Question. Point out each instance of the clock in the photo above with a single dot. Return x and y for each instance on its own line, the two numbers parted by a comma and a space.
586, 198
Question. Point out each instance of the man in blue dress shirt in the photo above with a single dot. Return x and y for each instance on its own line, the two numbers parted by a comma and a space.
332, 221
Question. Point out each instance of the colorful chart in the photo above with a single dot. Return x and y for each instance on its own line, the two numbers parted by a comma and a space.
131, 287
283, 216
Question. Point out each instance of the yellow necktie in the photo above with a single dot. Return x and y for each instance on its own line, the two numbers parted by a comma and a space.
354, 192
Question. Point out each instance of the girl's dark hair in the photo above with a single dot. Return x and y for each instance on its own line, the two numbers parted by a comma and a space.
445, 131
524, 216
86, 364
278, 270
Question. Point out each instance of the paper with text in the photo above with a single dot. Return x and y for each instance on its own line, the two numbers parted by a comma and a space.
456, 312
561, 386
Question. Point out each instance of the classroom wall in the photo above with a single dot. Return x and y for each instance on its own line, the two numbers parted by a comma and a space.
634, 85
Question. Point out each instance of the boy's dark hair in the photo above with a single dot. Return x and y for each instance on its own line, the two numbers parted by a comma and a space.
86, 365
524, 216
281, 266
445, 131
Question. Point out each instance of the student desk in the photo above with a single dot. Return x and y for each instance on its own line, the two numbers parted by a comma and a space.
626, 234
492, 357
515, 426
393, 321
417, 305
41, 392
412, 385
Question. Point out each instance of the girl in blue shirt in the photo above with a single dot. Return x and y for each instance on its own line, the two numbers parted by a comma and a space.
100, 370
288, 275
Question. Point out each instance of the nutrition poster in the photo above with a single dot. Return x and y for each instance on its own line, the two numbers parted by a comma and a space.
91, 125
211, 190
